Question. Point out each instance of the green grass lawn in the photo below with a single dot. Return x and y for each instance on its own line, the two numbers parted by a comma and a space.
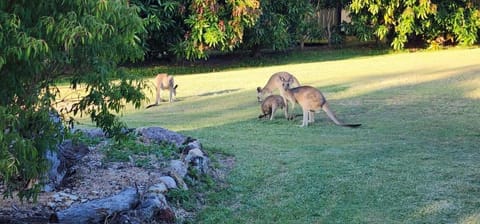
415, 159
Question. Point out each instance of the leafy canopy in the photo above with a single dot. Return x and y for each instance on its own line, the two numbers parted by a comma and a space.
188, 29
402, 21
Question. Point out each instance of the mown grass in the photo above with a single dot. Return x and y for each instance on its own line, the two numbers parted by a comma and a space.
414, 160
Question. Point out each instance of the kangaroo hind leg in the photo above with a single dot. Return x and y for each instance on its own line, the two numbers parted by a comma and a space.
272, 111
311, 116
305, 118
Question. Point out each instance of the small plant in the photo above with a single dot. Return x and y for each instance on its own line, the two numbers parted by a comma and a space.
143, 155
80, 137
143, 162
181, 198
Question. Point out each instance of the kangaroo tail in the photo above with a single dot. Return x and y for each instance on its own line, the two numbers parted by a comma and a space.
152, 105
332, 116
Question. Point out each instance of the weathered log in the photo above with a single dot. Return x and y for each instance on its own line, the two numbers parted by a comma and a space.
153, 208
98, 210
62, 162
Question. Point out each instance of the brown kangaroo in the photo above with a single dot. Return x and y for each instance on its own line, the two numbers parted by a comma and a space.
270, 105
312, 100
164, 81
275, 82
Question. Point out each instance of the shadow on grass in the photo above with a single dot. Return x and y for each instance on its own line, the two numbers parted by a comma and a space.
219, 92
224, 62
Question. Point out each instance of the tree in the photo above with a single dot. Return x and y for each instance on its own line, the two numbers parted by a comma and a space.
189, 29
164, 23
402, 21
287, 23
83, 40
281, 24
330, 11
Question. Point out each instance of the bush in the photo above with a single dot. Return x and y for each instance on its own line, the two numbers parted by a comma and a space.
406, 21
83, 40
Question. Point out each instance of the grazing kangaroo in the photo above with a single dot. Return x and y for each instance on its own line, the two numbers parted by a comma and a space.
275, 82
270, 105
164, 81
312, 100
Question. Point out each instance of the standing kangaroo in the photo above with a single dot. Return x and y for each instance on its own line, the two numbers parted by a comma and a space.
276, 82
165, 82
270, 105
311, 100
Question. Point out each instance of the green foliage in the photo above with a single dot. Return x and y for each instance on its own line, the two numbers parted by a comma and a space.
164, 22
404, 21
286, 23
142, 154
24, 139
281, 24
189, 29
462, 21
78, 137
182, 198
215, 25
84, 40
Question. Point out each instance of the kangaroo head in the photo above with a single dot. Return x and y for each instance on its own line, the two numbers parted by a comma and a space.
263, 93
259, 94
286, 82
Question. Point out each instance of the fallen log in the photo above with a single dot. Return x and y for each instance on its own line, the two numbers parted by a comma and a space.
61, 163
98, 210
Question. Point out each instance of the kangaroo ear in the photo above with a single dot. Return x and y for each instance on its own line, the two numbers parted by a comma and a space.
259, 89
175, 87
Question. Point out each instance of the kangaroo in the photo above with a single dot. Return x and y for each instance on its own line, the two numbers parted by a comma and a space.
312, 100
270, 105
275, 82
163, 82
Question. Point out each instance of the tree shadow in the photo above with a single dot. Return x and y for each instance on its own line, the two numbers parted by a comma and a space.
219, 92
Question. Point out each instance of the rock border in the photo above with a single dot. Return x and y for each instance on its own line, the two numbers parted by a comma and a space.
133, 204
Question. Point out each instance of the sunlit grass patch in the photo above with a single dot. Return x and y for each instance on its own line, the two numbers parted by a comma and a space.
414, 160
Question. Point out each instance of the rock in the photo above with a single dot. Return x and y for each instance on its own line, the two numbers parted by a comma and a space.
169, 182
192, 144
159, 135
154, 207
52, 205
179, 167
91, 132
192, 154
197, 160
179, 180
61, 196
159, 188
